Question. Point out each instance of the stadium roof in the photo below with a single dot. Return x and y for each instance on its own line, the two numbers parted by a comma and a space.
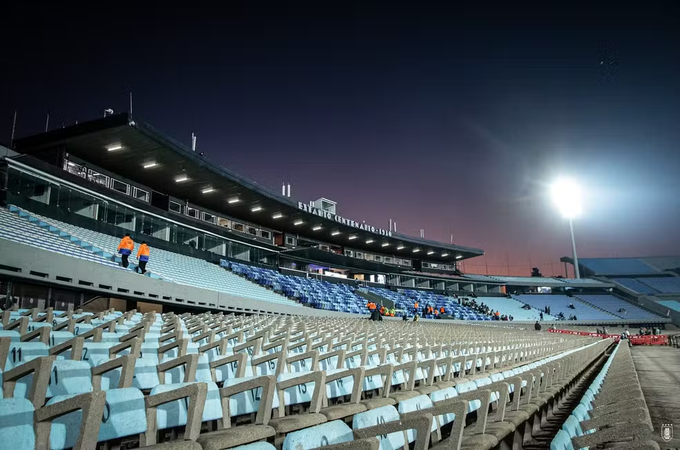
125, 146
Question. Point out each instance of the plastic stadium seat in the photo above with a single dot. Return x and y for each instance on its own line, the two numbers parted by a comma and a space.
330, 433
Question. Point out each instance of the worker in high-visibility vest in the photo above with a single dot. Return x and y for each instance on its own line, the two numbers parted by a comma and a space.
143, 257
125, 248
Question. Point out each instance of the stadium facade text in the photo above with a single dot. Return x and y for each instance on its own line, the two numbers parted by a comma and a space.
343, 221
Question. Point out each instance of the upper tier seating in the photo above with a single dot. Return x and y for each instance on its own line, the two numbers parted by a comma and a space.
613, 304
405, 300
672, 304
512, 307
636, 285
664, 285
210, 381
560, 303
617, 266
168, 265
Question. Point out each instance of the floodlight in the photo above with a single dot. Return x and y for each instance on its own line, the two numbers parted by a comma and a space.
566, 195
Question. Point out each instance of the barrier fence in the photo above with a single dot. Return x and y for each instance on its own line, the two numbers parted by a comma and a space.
660, 339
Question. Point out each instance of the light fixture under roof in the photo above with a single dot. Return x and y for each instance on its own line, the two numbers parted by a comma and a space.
113, 148
444, 255
459, 256
369, 241
386, 244
316, 228
335, 233
256, 209
150, 165
416, 250
401, 247
233, 200
277, 216
430, 252
352, 237
298, 222
207, 190
181, 179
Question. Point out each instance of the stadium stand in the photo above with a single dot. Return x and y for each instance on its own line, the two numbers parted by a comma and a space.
513, 307
617, 266
672, 304
636, 285
560, 304
612, 411
210, 381
664, 285
167, 265
613, 305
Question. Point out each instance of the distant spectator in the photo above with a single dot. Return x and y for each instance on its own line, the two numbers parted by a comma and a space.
548, 309
540, 315
571, 306
526, 306
537, 326
415, 318
604, 330
125, 249
511, 318
143, 257
627, 333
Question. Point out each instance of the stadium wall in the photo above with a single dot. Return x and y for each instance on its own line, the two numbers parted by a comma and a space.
29, 264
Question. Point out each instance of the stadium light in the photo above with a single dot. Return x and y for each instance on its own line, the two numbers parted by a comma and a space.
416, 250
370, 241
430, 252
150, 165
459, 256
566, 195
444, 255
233, 200
298, 222
256, 209
277, 216
181, 179
386, 244
335, 233
316, 228
113, 148
401, 247
352, 237
207, 190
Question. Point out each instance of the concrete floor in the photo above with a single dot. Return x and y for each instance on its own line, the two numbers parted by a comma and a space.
658, 369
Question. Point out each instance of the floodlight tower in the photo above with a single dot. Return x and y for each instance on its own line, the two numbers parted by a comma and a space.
567, 197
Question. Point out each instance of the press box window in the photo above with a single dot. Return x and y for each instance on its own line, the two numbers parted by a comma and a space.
252, 231
290, 240
141, 194
239, 227
176, 207
208, 217
192, 212
265, 234
98, 178
120, 186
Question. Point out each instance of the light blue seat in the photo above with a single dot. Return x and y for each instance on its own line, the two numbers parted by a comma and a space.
340, 387
59, 337
174, 414
146, 373
246, 402
330, 433
581, 413
416, 404
438, 396
469, 386
384, 414
372, 382
297, 394
16, 423
21, 352
13, 335
572, 426
256, 446
561, 441
124, 415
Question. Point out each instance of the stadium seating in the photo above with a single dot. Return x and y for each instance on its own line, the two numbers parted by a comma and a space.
613, 304
635, 285
560, 303
664, 285
672, 304
294, 382
612, 411
168, 265
406, 298
617, 266
512, 307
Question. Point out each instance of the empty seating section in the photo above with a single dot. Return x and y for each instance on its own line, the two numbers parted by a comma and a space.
612, 412
560, 303
45, 237
636, 285
672, 304
215, 381
613, 304
310, 291
512, 307
168, 265
617, 266
665, 285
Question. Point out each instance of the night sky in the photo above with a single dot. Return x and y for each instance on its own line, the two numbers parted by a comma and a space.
449, 118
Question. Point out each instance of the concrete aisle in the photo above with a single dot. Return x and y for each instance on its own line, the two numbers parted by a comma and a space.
658, 369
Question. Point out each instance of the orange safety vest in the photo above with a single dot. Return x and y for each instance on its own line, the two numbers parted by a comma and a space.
436, 313
382, 310
143, 251
126, 243
442, 310
416, 305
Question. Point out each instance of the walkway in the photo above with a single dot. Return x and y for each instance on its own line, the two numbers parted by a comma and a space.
659, 371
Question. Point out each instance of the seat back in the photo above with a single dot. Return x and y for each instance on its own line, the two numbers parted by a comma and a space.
330, 433
378, 416
16, 423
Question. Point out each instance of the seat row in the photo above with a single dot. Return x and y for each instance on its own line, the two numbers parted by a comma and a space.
612, 412
223, 390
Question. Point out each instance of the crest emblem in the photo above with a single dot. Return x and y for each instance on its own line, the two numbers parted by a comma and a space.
667, 432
